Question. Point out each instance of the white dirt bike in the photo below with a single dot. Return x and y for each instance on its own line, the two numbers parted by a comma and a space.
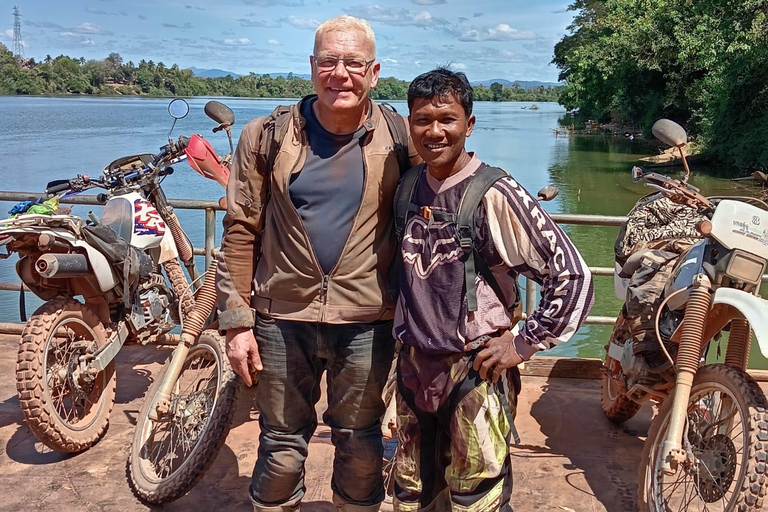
707, 449
65, 371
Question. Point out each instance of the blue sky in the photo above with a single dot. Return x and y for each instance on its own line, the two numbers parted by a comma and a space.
510, 39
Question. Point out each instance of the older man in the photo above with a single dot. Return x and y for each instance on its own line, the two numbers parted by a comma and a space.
308, 243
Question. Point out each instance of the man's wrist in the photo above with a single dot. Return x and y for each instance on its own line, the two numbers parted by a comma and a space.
234, 331
524, 349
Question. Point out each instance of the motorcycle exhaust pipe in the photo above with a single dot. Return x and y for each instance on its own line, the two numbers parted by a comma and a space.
62, 266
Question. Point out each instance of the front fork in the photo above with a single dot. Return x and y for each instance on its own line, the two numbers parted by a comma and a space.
192, 326
688, 359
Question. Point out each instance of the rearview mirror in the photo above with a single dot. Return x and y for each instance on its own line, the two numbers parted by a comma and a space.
669, 132
178, 108
220, 113
547, 193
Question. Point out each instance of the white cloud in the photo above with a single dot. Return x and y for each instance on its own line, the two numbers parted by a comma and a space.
428, 2
501, 32
389, 61
458, 66
90, 28
272, 3
243, 41
274, 42
185, 26
423, 18
245, 22
394, 16
88, 42
9, 33
303, 23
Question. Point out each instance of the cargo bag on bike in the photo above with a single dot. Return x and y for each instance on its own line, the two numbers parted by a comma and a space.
657, 231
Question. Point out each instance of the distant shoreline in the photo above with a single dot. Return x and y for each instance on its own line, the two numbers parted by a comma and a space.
159, 97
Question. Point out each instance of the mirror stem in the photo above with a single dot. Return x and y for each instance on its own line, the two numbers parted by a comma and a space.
229, 136
685, 164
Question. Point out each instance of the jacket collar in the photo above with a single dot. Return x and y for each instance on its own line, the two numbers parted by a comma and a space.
369, 124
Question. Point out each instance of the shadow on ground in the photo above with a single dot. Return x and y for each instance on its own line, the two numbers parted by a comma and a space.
602, 457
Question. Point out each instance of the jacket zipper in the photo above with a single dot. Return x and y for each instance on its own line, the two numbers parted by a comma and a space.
324, 291
327, 277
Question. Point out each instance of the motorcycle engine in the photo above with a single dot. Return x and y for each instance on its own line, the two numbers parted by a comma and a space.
151, 313
646, 370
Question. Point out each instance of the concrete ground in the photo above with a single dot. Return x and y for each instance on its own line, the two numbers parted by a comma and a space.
571, 458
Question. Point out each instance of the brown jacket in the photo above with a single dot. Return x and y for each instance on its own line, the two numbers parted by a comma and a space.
265, 249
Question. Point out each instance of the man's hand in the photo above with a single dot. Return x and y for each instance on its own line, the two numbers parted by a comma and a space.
497, 355
243, 353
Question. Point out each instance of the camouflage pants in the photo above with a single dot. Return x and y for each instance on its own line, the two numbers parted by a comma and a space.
453, 435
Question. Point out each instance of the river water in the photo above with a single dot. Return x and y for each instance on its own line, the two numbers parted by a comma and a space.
42, 139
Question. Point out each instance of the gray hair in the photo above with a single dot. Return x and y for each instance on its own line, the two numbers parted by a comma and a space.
345, 23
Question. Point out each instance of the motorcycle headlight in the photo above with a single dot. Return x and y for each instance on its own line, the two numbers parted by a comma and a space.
745, 267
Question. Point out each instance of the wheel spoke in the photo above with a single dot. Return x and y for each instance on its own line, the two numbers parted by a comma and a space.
717, 439
169, 446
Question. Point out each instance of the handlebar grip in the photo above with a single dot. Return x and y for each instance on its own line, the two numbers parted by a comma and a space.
162, 154
183, 142
57, 188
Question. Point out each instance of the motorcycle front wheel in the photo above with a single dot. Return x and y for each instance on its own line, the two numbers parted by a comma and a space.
726, 441
65, 408
170, 455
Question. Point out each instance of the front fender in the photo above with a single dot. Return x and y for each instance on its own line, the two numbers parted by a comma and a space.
754, 309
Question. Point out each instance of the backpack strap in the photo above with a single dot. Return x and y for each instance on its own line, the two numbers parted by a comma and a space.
479, 184
405, 204
399, 132
274, 128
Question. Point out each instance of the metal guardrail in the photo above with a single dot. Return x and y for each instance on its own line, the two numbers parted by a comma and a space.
210, 208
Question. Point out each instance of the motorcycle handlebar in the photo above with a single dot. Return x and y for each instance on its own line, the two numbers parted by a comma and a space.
57, 188
172, 148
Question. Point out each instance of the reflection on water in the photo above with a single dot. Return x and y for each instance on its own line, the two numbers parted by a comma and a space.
52, 138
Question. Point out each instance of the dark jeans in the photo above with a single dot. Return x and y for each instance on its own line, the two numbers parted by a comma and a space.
357, 358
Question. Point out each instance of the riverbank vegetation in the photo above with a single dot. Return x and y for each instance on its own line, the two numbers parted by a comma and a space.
702, 63
112, 76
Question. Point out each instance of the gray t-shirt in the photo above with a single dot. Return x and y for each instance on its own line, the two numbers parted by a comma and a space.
328, 189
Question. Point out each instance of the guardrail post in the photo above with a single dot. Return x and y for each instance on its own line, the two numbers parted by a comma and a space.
210, 235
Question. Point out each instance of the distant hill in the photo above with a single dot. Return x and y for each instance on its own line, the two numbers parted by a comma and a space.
215, 73
525, 84
212, 73
285, 75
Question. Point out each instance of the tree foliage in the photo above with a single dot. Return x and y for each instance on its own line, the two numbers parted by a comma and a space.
702, 63
112, 76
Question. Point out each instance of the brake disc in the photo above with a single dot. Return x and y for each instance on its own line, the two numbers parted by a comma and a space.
715, 468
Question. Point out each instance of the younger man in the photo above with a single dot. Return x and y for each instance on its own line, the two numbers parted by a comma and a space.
457, 373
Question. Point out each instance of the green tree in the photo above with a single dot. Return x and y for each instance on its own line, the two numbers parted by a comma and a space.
497, 91
639, 60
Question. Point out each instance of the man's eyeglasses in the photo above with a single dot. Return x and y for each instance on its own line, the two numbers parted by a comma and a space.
354, 65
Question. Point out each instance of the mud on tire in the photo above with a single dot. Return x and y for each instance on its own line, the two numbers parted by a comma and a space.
66, 414
613, 398
731, 457
203, 406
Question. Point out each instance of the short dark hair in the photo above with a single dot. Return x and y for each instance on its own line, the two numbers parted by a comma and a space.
442, 82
